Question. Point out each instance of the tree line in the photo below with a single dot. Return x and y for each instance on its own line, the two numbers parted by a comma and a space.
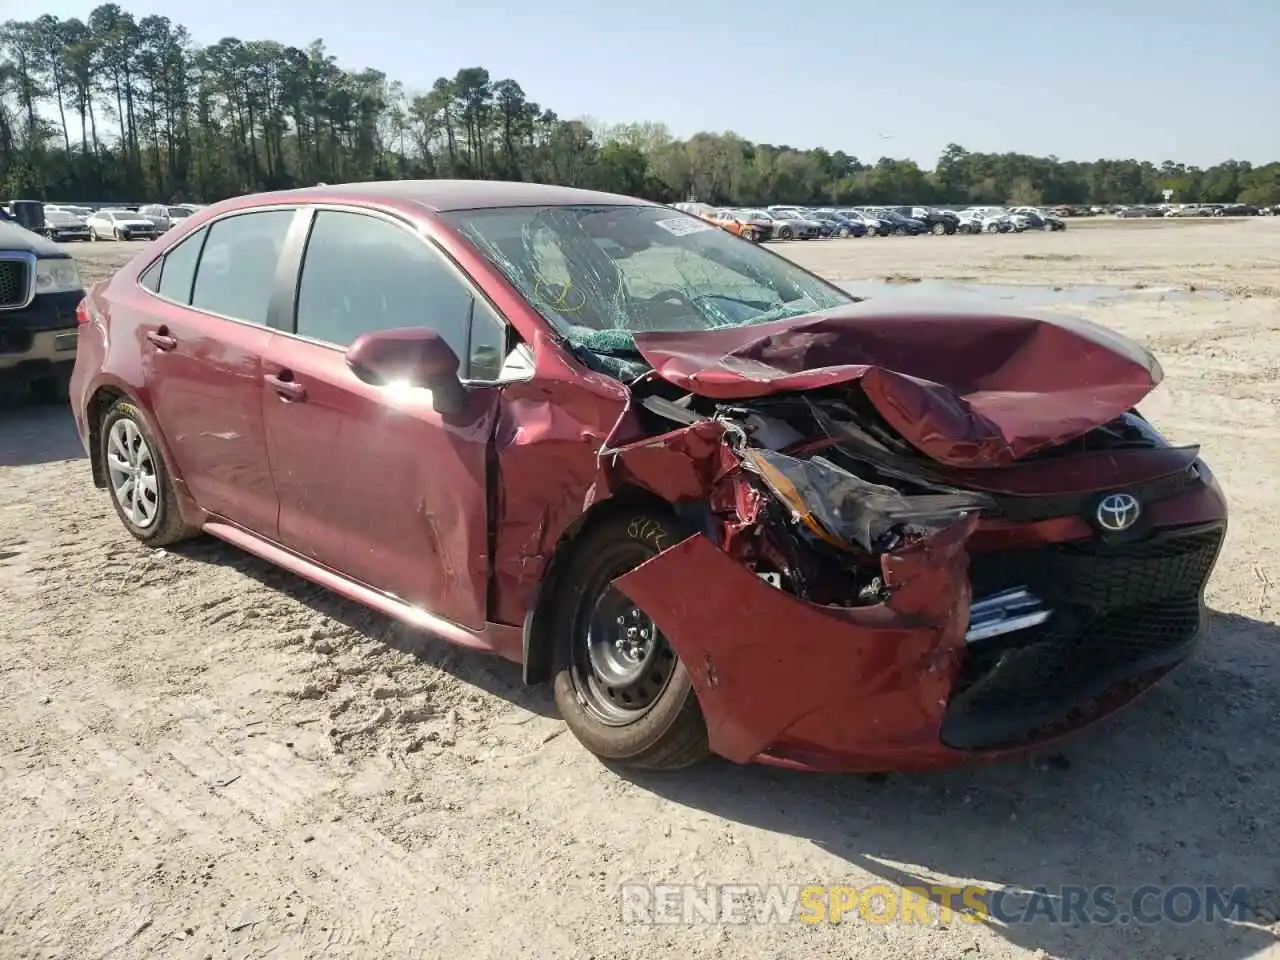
116, 108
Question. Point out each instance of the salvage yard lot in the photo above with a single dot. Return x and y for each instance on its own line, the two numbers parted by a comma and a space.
201, 755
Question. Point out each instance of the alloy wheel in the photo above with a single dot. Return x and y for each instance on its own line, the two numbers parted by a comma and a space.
131, 471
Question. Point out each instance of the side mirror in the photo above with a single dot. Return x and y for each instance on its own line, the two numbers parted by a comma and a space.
415, 356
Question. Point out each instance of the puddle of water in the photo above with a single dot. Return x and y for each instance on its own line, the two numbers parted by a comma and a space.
1027, 295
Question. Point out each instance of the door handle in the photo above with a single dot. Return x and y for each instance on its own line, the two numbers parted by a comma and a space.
289, 389
162, 339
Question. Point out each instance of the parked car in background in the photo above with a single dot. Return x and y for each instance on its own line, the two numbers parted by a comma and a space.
729, 221
1139, 211
875, 226
764, 227
1039, 220
813, 228
900, 226
994, 221
62, 225
635, 480
39, 289
938, 222
967, 221
1236, 210
787, 228
119, 224
164, 216
841, 226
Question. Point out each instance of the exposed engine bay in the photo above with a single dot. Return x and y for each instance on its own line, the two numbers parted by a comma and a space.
826, 487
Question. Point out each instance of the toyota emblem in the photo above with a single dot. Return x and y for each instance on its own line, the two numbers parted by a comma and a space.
1118, 512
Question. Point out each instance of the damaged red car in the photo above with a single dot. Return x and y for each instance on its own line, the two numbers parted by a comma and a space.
722, 505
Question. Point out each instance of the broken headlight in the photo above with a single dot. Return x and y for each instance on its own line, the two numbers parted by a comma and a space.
844, 509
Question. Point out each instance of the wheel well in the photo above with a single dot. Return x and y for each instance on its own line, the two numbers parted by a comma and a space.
95, 410
538, 641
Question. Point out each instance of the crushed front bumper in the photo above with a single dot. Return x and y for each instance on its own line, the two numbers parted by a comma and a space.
896, 685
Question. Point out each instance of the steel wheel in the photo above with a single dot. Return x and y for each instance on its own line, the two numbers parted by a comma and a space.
621, 663
131, 473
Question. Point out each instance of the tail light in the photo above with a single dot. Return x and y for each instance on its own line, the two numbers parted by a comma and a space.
82, 311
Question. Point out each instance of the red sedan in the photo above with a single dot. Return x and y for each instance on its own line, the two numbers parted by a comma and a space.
723, 505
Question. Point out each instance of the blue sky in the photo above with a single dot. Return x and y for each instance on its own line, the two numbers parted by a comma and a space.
1152, 79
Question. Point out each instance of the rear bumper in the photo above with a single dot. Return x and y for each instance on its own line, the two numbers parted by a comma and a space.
896, 686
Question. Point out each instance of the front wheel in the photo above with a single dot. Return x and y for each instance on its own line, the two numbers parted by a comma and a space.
619, 685
939, 229
115, 234
785, 233
93, 234
993, 228
844, 233
899, 231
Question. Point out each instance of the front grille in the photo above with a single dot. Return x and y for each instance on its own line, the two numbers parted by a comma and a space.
15, 283
1119, 610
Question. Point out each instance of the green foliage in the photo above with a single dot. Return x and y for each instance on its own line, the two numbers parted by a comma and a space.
121, 108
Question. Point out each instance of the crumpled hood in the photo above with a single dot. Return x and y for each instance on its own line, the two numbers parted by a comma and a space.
968, 388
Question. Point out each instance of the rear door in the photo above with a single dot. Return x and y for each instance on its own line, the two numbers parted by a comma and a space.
204, 357
372, 481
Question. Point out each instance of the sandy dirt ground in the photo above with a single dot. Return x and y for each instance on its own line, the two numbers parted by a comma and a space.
201, 756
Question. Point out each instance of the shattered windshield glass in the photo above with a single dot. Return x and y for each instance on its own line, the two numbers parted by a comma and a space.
601, 274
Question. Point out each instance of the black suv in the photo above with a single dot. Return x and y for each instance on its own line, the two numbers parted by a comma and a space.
39, 290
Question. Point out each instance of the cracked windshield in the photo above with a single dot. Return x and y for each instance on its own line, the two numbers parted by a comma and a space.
601, 274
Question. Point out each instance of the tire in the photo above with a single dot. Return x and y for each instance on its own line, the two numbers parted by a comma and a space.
785, 233
899, 231
843, 233
666, 730
871, 231
163, 525
938, 229
993, 228
115, 234
93, 235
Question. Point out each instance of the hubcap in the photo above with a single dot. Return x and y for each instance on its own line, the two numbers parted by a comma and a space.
131, 469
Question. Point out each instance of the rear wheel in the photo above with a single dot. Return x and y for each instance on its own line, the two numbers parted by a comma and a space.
619, 685
115, 234
899, 231
843, 233
93, 234
939, 229
993, 228
137, 479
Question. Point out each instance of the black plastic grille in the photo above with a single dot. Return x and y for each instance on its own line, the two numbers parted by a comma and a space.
14, 282
1120, 610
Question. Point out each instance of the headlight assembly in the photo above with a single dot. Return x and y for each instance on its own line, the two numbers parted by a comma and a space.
844, 509
57, 276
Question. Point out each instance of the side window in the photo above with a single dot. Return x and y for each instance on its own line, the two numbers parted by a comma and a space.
238, 265
487, 348
361, 273
150, 277
179, 269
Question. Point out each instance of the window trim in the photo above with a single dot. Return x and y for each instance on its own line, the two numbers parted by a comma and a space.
207, 228
409, 226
